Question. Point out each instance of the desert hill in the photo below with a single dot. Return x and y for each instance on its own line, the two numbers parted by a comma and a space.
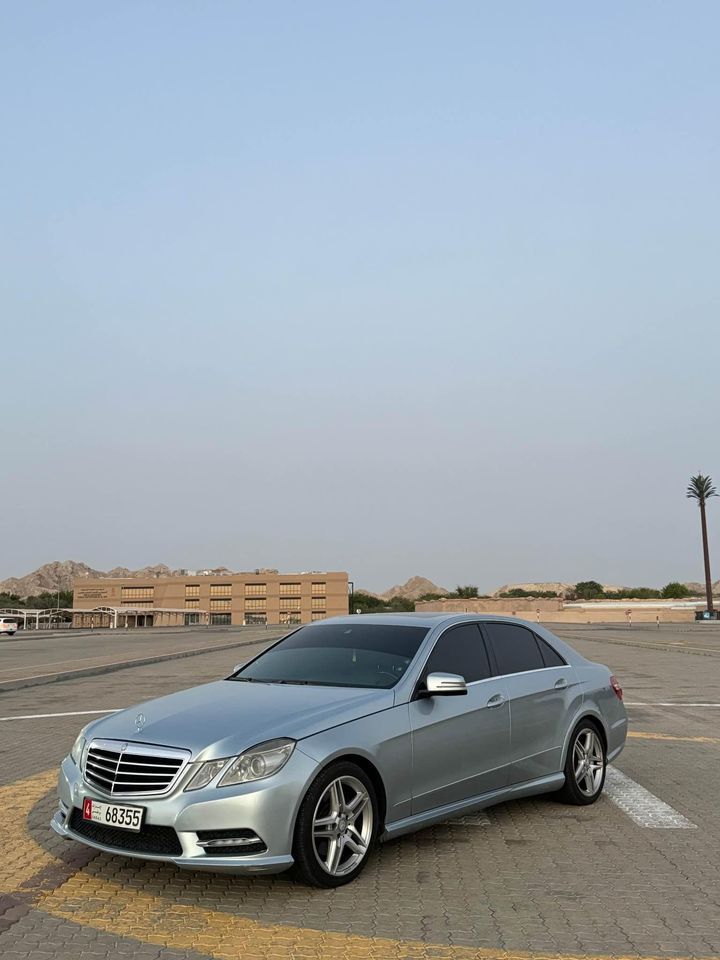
60, 575
412, 589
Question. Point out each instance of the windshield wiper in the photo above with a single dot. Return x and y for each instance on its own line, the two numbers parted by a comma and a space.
298, 683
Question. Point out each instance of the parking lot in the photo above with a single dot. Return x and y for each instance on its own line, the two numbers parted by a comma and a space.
637, 874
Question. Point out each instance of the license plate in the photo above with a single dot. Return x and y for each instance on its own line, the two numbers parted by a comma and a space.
113, 814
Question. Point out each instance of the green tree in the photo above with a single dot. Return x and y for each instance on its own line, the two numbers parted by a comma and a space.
467, 592
674, 591
401, 604
366, 602
518, 592
701, 489
10, 600
589, 590
49, 599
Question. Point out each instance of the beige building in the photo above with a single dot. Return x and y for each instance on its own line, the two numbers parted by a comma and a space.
236, 599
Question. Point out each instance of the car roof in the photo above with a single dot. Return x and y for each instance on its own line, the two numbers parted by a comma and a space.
428, 619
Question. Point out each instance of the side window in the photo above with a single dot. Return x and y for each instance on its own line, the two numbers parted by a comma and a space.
551, 657
516, 648
461, 650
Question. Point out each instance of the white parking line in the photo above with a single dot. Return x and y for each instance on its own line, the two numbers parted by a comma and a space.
640, 805
674, 703
73, 713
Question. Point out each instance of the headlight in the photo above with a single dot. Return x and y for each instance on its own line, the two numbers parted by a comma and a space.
207, 772
77, 748
260, 762
256, 764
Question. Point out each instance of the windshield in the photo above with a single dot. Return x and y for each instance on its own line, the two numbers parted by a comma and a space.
338, 654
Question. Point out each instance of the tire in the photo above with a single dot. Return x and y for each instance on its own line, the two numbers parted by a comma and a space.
336, 826
585, 766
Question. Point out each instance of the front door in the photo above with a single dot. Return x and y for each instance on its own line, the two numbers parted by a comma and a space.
461, 744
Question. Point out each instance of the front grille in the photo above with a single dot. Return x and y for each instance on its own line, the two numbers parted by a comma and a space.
151, 839
132, 769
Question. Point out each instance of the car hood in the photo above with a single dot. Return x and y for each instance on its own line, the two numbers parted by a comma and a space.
223, 718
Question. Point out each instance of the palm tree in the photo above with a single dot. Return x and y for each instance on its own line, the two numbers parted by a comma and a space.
701, 489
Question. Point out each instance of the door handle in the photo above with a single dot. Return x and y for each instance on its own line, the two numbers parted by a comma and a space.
561, 684
497, 701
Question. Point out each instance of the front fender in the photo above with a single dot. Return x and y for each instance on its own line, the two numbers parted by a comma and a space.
383, 740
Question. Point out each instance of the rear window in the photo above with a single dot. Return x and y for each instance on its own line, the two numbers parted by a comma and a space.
339, 654
516, 649
549, 654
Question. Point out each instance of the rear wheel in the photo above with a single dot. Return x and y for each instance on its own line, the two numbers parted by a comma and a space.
336, 826
584, 767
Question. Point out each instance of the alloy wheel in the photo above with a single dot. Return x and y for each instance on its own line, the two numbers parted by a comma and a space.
342, 826
588, 762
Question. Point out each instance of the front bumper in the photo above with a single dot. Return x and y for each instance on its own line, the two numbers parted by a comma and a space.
267, 807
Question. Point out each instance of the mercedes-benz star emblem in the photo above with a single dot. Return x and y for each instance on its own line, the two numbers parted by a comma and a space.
140, 721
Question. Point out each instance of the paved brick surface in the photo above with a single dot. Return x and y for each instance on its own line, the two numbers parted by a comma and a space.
539, 879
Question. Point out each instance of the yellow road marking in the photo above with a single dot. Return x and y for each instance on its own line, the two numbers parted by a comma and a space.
90, 899
667, 736
21, 859
127, 912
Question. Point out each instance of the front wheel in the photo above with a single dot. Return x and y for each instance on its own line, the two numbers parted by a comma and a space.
584, 767
336, 827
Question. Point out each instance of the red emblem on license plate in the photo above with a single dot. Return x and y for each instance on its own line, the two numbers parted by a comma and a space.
87, 809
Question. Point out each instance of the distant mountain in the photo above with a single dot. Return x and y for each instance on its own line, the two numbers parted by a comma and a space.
698, 589
60, 575
553, 585
415, 587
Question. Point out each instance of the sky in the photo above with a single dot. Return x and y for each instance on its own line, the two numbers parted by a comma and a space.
392, 288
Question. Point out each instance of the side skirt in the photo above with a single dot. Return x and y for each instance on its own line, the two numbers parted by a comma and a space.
438, 814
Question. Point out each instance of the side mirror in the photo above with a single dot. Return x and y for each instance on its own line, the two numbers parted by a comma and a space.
444, 685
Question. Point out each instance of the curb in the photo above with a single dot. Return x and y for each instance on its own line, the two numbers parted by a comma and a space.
41, 680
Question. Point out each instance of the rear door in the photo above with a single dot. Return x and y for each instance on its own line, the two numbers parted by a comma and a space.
461, 744
541, 688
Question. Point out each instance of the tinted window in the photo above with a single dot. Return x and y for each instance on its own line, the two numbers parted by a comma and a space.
461, 650
550, 656
516, 648
339, 654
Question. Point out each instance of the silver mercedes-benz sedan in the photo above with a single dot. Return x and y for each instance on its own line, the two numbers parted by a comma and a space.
342, 733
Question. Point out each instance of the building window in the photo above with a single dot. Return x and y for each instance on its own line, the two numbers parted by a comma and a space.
191, 619
220, 604
258, 604
189, 604
192, 590
255, 589
136, 593
255, 618
318, 603
289, 619
220, 619
290, 603
136, 603
317, 615
318, 589
289, 589
220, 589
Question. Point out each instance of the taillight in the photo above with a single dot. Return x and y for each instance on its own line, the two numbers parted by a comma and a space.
616, 687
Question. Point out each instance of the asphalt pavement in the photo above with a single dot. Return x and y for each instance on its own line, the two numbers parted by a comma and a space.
635, 875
